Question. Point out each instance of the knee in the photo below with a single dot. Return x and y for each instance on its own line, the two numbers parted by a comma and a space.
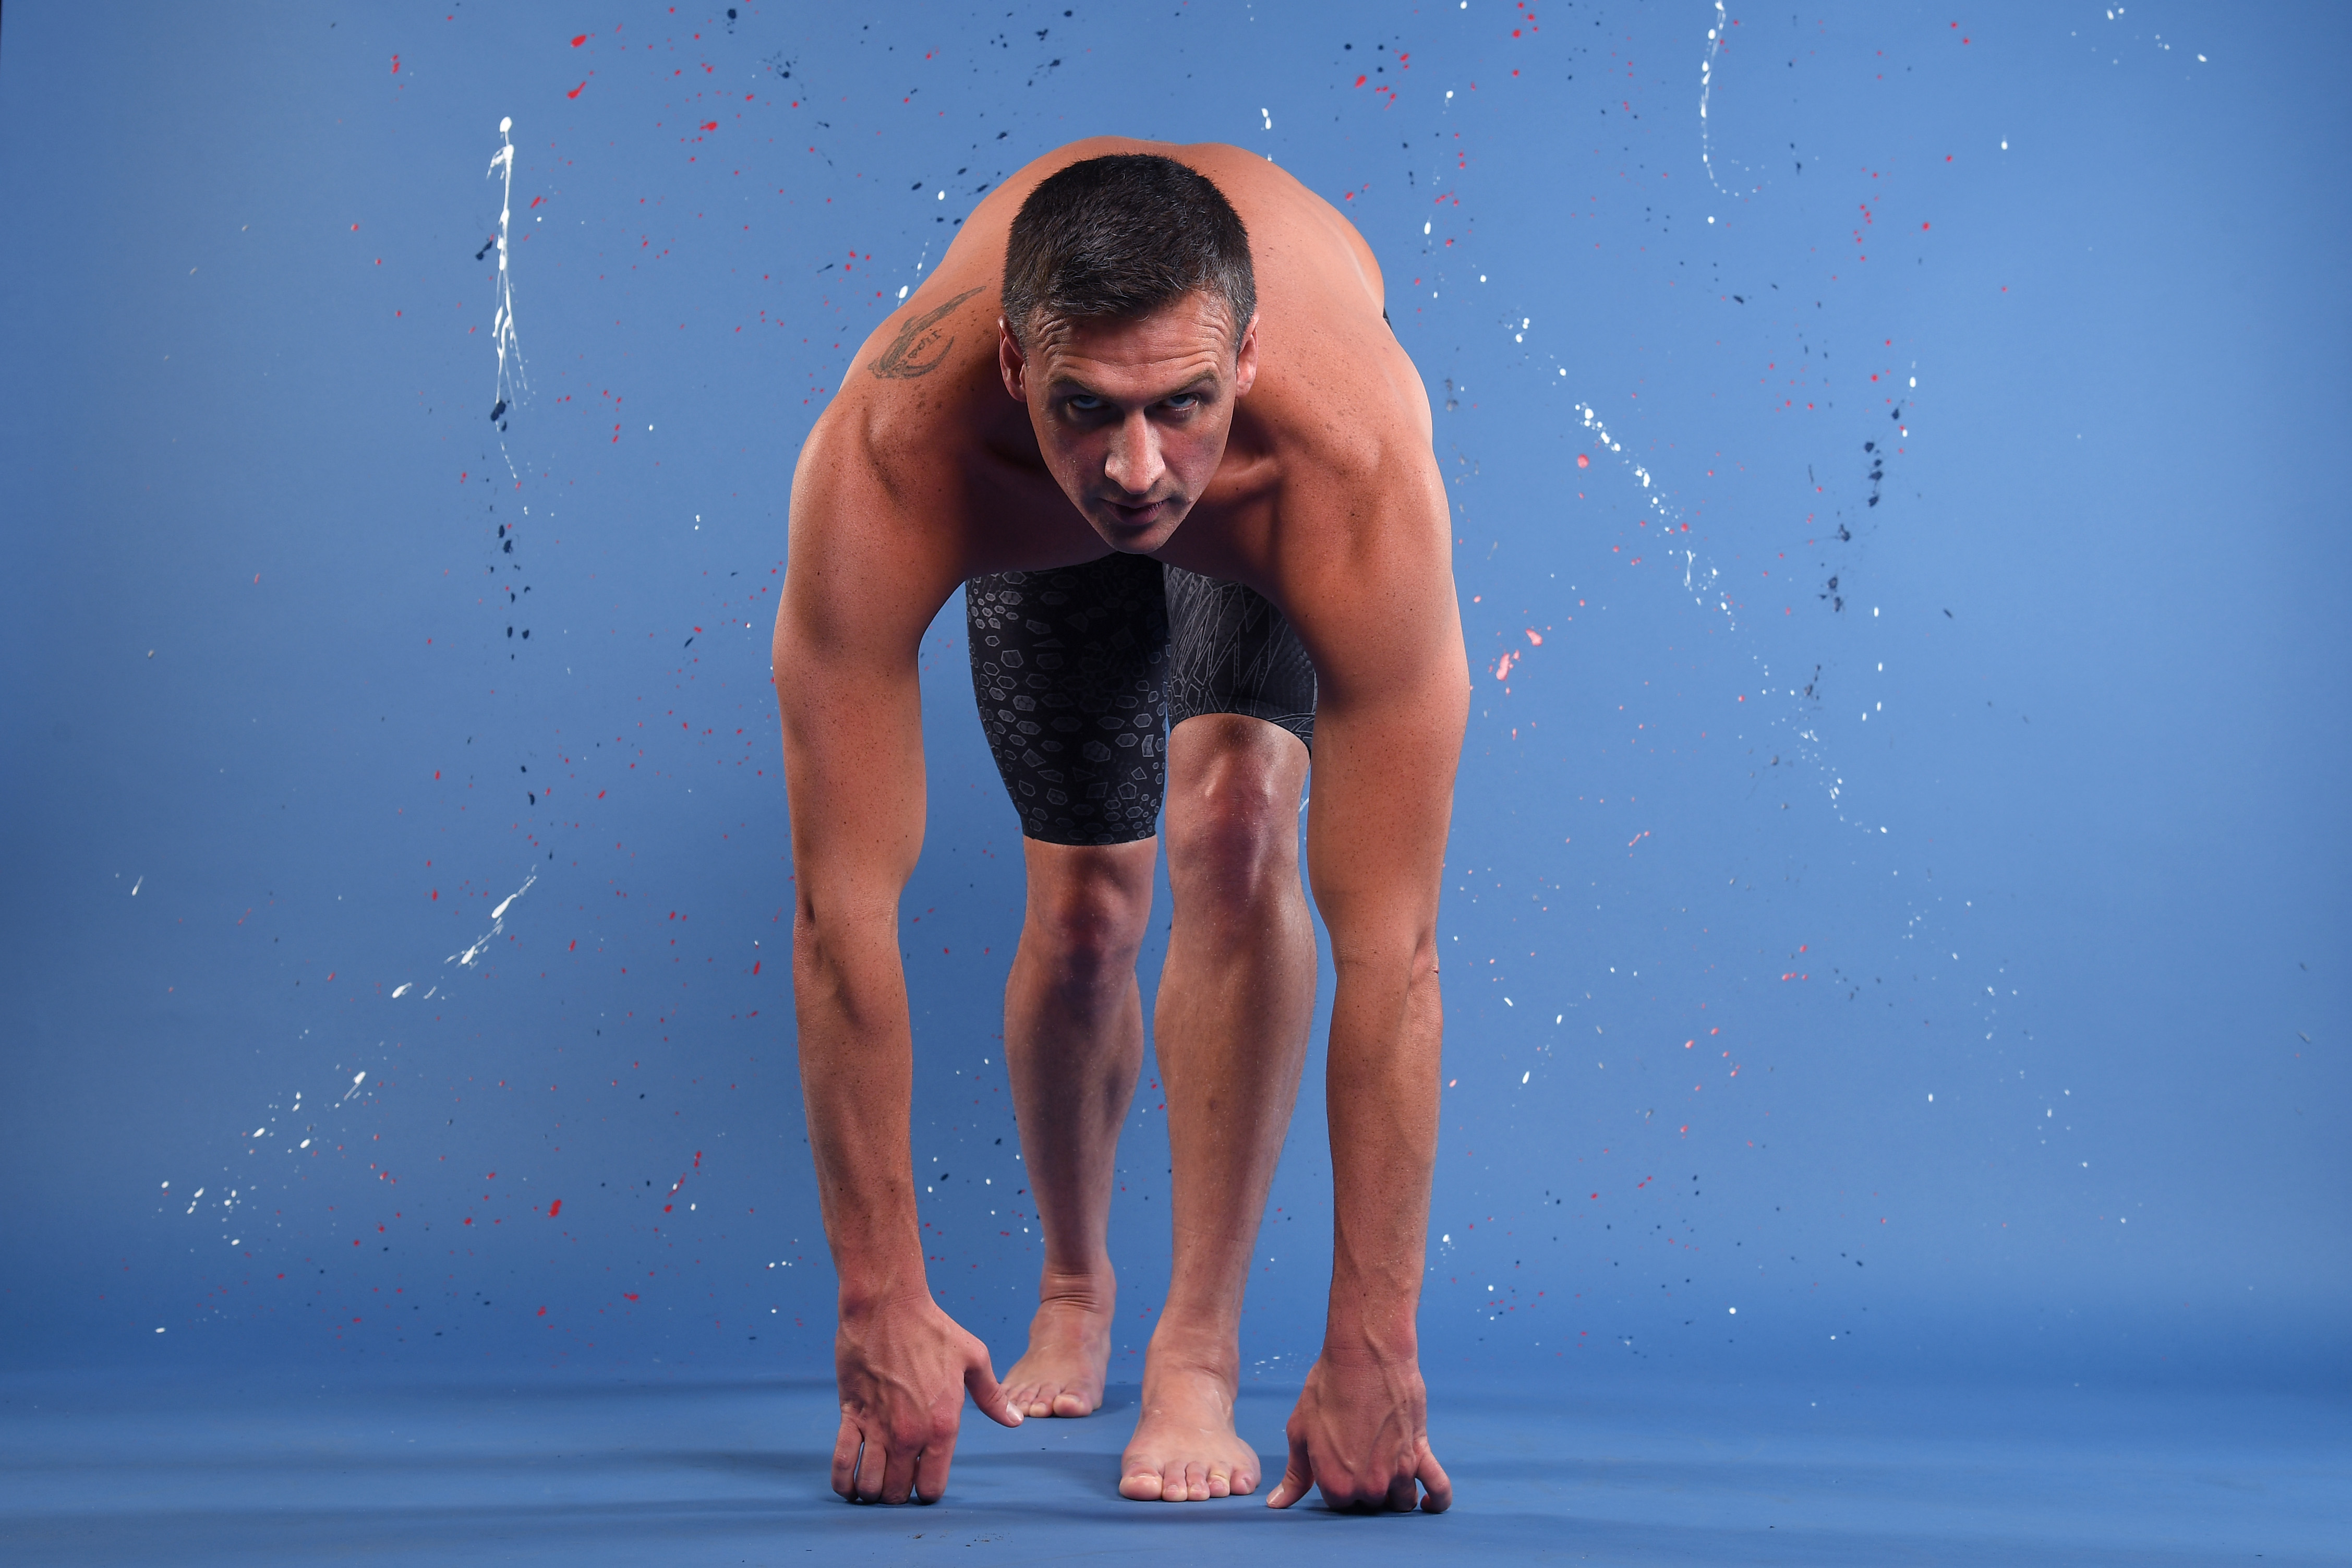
1086, 924
1235, 839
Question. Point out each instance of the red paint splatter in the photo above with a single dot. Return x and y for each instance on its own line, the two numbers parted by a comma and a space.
1582, 461
395, 64
555, 1208
1359, 82
577, 90
755, 966
580, 40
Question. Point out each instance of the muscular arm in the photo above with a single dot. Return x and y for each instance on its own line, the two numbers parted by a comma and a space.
857, 598
1392, 699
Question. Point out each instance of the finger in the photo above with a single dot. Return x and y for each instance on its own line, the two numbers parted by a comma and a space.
1401, 1495
931, 1469
846, 1448
979, 1378
865, 1483
1297, 1477
898, 1475
1438, 1490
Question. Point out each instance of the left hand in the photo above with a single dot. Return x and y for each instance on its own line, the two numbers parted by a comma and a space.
1360, 1432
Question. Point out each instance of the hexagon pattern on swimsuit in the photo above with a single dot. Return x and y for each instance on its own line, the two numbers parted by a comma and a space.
1078, 670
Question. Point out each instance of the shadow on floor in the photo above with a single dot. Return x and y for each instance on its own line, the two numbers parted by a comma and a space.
244, 1469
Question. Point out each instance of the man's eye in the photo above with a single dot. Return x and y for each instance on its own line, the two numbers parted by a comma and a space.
1084, 405
1184, 400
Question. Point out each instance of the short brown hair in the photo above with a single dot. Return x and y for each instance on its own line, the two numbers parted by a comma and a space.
1120, 236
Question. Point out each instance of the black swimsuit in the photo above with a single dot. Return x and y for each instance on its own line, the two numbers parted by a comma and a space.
1079, 670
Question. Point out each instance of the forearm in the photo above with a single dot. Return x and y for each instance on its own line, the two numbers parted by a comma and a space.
856, 1076
1381, 1102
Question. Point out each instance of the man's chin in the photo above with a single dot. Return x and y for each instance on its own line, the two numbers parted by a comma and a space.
1138, 533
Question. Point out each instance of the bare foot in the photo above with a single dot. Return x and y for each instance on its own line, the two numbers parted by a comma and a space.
1184, 1448
1070, 1348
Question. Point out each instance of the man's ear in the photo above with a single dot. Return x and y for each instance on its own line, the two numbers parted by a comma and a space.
1246, 360
1011, 364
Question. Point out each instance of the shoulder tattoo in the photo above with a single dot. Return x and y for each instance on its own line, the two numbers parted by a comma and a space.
920, 347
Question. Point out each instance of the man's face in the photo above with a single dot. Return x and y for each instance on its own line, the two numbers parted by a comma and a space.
1132, 417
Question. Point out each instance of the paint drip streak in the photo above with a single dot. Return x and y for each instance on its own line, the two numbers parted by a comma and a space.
511, 381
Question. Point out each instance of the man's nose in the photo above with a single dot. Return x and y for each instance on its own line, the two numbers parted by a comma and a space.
1133, 463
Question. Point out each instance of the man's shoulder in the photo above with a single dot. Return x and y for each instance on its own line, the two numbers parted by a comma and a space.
915, 399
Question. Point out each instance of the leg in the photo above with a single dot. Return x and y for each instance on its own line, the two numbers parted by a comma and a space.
1067, 666
1073, 1045
1236, 1003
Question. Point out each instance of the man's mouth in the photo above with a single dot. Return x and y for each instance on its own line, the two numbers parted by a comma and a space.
1137, 516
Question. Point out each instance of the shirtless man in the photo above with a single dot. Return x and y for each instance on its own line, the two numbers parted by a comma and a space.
1210, 492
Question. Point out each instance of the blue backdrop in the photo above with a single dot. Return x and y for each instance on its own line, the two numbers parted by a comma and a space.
1895, 920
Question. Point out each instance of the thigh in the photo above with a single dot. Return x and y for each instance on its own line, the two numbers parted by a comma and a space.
1069, 670
1231, 651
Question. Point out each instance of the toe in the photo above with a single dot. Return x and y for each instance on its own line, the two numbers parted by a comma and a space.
1142, 1486
1221, 1484
1069, 1403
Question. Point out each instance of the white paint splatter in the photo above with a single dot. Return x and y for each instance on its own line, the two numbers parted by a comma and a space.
499, 913
498, 926
512, 383
134, 893
1715, 42
401, 989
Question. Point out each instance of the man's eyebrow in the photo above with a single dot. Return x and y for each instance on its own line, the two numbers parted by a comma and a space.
1200, 386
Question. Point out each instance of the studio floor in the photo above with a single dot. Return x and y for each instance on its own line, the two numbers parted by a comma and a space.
290, 1467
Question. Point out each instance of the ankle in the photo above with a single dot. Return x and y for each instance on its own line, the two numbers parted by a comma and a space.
1194, 1355
1092, 1289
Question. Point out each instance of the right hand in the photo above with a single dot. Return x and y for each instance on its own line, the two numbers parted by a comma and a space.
903, 1367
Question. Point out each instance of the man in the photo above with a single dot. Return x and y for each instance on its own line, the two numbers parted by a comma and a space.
1211, 490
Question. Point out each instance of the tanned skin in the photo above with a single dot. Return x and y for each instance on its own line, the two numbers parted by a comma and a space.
1292, 454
